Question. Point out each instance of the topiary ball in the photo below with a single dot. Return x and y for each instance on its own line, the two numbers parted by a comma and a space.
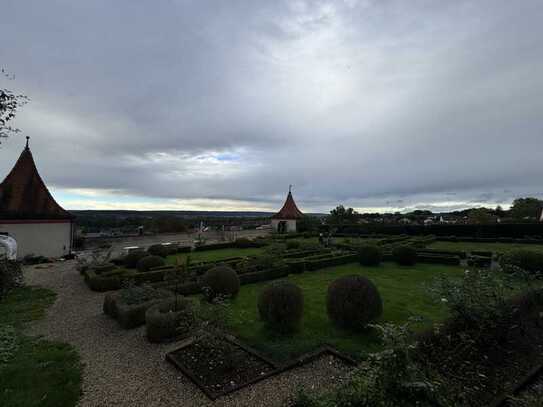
281, 305
148, 262
220, 281
404, 255
353, 302
370, 255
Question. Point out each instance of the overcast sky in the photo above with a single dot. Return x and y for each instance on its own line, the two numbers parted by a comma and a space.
222, 104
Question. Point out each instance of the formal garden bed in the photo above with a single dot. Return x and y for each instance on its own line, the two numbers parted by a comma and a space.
219, 365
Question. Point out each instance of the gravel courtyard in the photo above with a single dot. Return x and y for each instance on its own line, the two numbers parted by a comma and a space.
121, 368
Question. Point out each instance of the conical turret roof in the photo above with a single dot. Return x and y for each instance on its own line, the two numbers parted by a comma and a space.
23, 194
289, 209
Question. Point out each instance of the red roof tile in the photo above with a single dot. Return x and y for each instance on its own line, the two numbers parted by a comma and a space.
289, 210
23, 194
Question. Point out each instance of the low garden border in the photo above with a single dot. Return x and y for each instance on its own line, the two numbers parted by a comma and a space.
278, 368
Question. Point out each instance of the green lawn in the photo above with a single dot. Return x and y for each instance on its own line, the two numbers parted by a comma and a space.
213, 255
493, 247
38, 372
402, 288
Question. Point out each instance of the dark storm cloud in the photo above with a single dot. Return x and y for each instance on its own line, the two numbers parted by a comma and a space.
397, 104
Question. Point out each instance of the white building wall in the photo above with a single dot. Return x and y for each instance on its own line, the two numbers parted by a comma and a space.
41, 239
291, 225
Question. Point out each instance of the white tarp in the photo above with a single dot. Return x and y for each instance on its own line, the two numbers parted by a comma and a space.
10, 247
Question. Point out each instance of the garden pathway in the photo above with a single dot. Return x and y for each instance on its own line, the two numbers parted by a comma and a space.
121, 368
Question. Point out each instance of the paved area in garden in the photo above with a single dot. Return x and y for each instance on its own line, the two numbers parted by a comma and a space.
121, 368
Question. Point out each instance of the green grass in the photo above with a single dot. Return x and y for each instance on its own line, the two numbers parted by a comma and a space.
493, 247
213, 255
25, 304
402, 289
39, 372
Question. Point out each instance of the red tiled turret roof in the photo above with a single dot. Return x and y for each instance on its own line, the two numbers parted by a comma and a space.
23, 194
289, 209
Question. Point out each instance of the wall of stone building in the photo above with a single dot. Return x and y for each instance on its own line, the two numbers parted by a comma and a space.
290, 225
41, 239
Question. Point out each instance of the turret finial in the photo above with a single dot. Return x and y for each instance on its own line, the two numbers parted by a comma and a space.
27, 138
290, 188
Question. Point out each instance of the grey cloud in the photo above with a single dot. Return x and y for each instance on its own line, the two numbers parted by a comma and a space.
359, 102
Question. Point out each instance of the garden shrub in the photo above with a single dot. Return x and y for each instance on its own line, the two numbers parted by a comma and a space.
169, 319
264, 275
244, 243
404, 255
220, 281
159, 250
353, 302
102, 283
293, 244
129, 305
370, 255
132, 258
148, 262
528, 260
280, 305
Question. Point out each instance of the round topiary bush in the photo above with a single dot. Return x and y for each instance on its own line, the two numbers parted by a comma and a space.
370, 255
132, 258
281, 306
171, 319
404, 255
353, 302
148, 262
220, 281
527, 260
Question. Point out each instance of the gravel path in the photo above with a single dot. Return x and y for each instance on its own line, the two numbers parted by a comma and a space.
121, 368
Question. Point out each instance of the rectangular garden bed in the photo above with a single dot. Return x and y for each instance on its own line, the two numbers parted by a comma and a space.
219, 366
224, 365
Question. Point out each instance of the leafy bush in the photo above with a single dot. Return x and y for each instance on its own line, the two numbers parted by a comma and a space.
169, 319
11, 276
293, 244
148, 262
530, 261
404, 255
281, 306
353, 302
132, 258
220, 281
390, 378
8, 343
370, 255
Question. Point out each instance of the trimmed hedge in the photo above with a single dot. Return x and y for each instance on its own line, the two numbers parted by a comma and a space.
132, 258
104, 282
528, 260
215, 246
281, 306
370, 255
129, 315
170, 319
353, 302
270, 274
221, 281
404, 255
312, 265
438, 259
148, 262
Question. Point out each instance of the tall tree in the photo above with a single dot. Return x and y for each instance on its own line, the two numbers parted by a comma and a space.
526, 208
341, 215
10, 102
